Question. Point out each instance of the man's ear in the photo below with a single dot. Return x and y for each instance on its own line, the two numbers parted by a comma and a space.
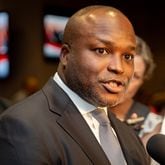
65, 50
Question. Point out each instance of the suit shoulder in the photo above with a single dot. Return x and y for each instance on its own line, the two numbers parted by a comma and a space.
26, 107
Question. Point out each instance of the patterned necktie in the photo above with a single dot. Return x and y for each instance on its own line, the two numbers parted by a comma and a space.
108, 140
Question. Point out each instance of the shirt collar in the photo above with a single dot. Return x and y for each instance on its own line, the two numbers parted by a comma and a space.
82, 105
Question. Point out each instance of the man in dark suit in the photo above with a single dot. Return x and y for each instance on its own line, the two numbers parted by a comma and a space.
54, 126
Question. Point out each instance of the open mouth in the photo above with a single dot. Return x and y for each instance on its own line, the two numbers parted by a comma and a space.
114, 86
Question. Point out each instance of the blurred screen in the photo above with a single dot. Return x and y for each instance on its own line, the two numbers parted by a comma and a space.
53, 32
4, 47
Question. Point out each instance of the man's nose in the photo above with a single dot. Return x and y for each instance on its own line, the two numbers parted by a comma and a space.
116, 64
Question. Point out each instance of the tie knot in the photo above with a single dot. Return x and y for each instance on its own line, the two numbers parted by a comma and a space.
100, 116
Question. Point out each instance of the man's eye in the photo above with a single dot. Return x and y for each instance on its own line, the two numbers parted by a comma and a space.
129, 57
101, 51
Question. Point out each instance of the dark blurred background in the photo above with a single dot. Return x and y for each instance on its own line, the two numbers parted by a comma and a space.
26, 37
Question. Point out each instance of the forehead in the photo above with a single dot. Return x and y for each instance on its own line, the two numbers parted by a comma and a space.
105, 26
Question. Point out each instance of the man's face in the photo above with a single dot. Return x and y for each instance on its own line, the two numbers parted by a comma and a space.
100, 61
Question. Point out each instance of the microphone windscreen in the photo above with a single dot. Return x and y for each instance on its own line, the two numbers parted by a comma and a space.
156, 148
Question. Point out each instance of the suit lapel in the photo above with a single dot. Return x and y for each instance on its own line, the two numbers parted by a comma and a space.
73, 123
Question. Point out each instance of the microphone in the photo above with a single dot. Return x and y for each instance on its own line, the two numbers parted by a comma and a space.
156, 148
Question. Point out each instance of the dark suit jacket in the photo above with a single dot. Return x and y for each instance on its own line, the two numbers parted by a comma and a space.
47, 129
